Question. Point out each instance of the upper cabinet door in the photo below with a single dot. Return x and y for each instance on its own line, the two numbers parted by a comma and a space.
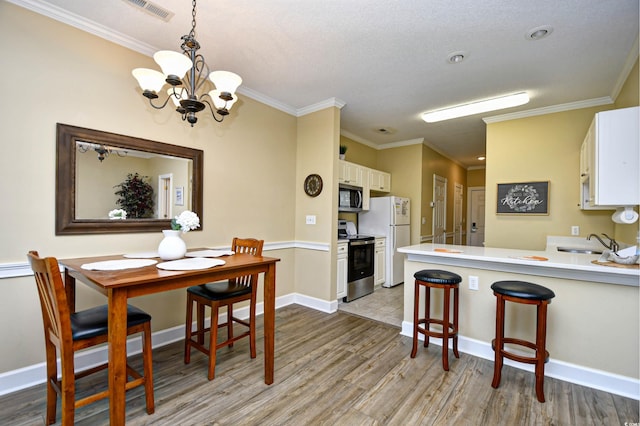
614, 176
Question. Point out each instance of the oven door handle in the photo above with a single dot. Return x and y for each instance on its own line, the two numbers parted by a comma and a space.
362, 243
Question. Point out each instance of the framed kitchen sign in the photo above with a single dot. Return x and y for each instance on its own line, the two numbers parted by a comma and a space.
523, 198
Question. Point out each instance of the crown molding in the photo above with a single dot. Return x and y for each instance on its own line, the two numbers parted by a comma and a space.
331, 102
86, 25
626, 70
606, 100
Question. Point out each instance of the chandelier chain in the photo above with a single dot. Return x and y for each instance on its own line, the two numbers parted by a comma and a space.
193, 20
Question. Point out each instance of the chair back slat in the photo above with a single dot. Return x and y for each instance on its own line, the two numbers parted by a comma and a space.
53, 299
254, 248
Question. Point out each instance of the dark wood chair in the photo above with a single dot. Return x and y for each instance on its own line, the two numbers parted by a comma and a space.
528, 294
215, 296
447, 281
66, 332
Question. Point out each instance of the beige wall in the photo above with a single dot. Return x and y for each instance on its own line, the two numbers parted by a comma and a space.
541, 148
476, 177
54, 73
412, 168
359, 153
318, 140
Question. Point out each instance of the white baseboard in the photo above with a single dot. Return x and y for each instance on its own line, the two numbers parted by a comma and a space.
22, 378
572, 373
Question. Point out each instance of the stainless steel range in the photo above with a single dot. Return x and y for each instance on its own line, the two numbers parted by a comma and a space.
360, 261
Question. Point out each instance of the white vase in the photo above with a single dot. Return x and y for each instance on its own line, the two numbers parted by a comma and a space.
172, 246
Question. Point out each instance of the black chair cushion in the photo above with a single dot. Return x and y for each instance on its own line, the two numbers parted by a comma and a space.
437, 276
220, 290
94, 321
522, 290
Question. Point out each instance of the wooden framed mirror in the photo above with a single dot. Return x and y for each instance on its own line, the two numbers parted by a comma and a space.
91, 165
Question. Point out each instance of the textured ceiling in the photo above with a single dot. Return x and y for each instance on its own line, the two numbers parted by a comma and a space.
387, 61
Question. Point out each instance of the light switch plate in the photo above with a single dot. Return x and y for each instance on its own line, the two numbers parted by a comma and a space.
311, 219
473, 282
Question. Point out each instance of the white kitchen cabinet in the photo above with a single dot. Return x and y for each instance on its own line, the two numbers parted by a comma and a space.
350, 173
379, 263
379, 181
366, 189
610, 160
342, 265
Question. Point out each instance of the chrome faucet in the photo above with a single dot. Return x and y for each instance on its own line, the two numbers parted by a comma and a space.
613, 244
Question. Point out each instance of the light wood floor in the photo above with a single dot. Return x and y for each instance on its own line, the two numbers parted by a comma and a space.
384, 304
339, 369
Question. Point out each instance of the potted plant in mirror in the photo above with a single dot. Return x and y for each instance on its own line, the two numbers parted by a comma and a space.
172, 246
135, 196
343, 151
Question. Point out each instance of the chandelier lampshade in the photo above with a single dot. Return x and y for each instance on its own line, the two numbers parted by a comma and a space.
186, 73
150, 81
173, 64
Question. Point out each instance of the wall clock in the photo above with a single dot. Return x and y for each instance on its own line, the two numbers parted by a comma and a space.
313, 185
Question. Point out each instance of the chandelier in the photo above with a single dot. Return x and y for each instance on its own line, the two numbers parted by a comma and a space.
102, 150
186, 73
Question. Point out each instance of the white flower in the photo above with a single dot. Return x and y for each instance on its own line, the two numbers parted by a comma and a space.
186, 221
117, 214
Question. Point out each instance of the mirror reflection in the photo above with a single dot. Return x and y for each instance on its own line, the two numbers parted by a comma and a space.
110, 177
102, 176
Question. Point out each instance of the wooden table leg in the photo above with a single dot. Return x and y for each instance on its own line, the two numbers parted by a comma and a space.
117, 355
269, 322
70, 290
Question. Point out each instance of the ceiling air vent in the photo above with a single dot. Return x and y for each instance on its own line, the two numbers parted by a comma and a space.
151, 9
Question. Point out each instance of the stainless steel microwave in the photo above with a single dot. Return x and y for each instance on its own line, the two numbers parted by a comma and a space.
350, 198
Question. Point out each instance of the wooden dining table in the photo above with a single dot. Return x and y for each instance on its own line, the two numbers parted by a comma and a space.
121, 285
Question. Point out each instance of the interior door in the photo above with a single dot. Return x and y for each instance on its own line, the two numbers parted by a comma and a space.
475, 223
439, 209
458, 222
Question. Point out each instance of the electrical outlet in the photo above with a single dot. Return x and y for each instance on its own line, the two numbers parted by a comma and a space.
311, 219
473, 282
575, 230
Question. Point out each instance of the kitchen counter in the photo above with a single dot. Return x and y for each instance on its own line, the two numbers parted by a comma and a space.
593, 328
574, 266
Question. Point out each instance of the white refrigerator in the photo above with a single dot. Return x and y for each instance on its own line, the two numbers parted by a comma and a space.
389, 217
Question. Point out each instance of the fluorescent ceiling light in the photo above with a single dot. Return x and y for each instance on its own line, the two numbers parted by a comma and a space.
476, 107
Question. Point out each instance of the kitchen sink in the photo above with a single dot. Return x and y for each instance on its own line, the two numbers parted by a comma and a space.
579, 250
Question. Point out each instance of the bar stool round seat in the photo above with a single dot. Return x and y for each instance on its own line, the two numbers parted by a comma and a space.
447, 281
530, 294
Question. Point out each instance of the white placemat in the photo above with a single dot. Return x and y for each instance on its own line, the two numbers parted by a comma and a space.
209, 253
142, 255
114, 265
190, 264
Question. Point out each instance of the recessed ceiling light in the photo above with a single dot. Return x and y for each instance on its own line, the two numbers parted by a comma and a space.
539, 32
385, 130
481, 158
455, 57
476, 107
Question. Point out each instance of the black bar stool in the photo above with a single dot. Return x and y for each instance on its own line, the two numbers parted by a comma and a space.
530, 294
434, 278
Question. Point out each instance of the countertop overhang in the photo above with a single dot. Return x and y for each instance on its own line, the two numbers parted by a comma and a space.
573, 266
